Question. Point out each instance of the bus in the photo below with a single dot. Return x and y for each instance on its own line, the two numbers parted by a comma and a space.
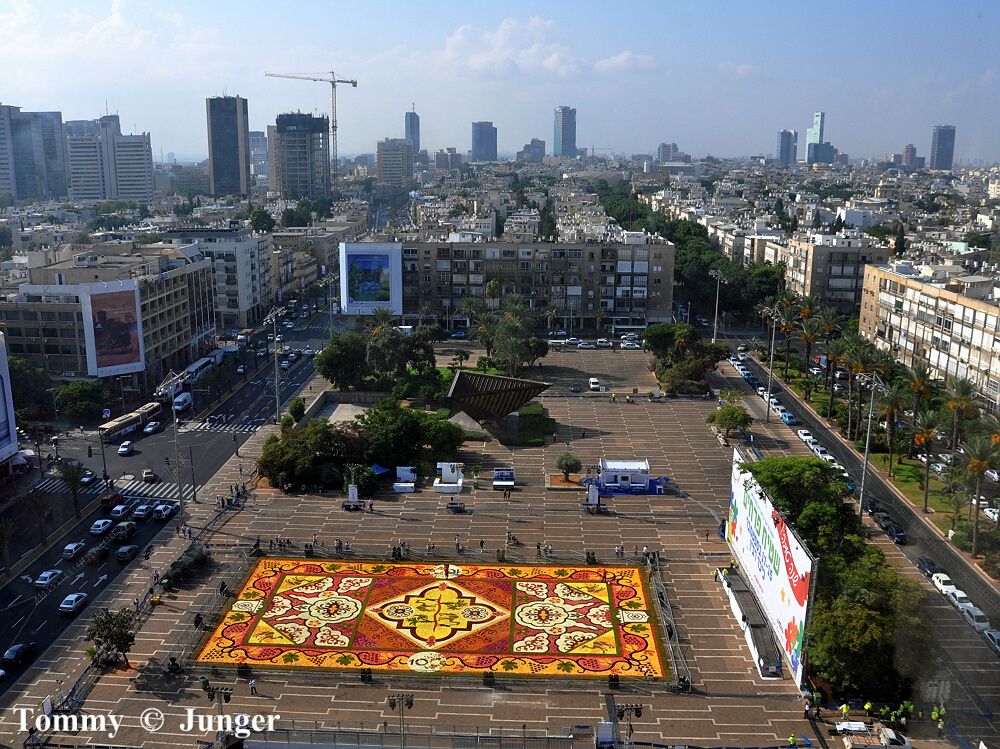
149, 412
199, 368
122, 425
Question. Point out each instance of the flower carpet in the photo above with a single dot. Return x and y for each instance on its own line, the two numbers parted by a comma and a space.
438, 618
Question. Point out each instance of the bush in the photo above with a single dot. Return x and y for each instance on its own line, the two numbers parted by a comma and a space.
366, 481
532, 409
524, 440
297, 409
442, 414
287, 423
189, 562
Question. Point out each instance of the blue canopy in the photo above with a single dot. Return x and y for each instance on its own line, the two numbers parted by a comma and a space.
379, 470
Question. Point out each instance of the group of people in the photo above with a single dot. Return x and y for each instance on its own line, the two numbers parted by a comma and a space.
896, 718
184, 531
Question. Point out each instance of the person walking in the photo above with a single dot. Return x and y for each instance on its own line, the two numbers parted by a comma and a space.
845, 710
941, 728
482, 546
253, 686
791, 740
934, 715
808, 708
136, 604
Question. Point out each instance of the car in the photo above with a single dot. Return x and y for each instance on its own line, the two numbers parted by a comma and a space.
975, 618
895, 738
100, 527
741, 347
143, 512
586, 345
293, 356
816, 371
18, 654
285, 364
939, 468
262, 353
992, 474
270, 336
148, 475
72, 551
923, 458
458, 334
896, 533
279, 338
96, 554
303, 315
630, 336
958, 599
838, 388
993, 640
73, 603
164, 511
942, 583
124, 531
286, 349
240, 369
789, 418
604, 343
882, 519
88, 478
631, 346
48, 578
309, 351
872, 506
991, 513
575, 387
574, 341
123, 512
126, 448
947, 458
741, 356
126, 554
152, 427
927, 566
804, 434
557, 332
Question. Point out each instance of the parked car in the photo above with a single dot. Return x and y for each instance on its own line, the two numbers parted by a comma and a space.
18, 654
804, 434
897, 534
816, 371
88, 478
152, 427
240, 369
557, 332
872, 506
958, 599
100, 527
604, 343
991, 513
458, 334
126, 554
586, 345
882, 519
574, 341
575, 387
992, 474
143, 512
72, 551
976, 618
48, 578
927, 566
741, 356
73, 603
164, 511
631, 346
126, 448
943, 583
939, 468
789, 418
993, 640
124, 531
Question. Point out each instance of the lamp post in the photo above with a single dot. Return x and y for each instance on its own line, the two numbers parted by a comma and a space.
55, 409
404, 702
719, 280
626, 712
876, 385
772, 313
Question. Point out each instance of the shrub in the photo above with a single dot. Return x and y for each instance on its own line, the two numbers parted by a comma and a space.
366, 481
523, 440
568, 463
297, 409
287, 423
532, 409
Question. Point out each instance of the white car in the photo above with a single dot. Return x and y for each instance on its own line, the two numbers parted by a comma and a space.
804, 434
286, 364
126, 448
991, 512
48, 578
604, 343
308, 351
992, 474
279, 338
741, 356
72, 551
993, 640
88, 478
943, 583
240, 369
958, 599
164, 511
152, 427
631, 345
100, 527
975, 617
73, 603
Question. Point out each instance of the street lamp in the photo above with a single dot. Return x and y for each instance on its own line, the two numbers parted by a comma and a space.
879, 386
626, 712
771, 312
401, 701
719, 280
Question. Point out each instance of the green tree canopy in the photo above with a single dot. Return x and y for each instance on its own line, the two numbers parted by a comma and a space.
568, 463
84, 400
112, 630
343, 360
28, 384
730, 417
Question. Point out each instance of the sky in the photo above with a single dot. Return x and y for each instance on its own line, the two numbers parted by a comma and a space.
715, 77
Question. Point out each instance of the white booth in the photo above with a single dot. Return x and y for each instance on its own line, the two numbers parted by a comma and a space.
627, 476
503, 478
406, 479
450, 477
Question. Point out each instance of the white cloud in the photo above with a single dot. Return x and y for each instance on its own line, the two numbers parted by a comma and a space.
739, 72
623, 62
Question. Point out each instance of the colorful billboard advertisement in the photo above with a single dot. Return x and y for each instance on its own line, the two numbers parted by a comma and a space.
114, 332
371, 275
8, 429
773, 561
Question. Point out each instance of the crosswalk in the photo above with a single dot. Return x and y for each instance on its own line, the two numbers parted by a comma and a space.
248, 426
137, 489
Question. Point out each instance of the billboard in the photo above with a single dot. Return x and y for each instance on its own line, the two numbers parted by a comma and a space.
113, 328
773, 561
8, 429
371, 275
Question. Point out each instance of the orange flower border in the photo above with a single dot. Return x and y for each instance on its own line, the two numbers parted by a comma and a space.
633, 618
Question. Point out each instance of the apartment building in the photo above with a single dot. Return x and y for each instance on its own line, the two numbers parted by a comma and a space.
629, 282
299, 156
241, 271
941, 316
831, 267
105, 164
46, 322
395, 161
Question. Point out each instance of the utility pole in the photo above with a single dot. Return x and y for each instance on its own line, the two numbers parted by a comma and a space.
168, 389
719, 280
272, 317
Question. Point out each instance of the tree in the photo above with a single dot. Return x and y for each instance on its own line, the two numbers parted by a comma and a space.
810, 331
6, 237
8, 529
84, 400
493, 292
890, 406
810, 385
261, 221
112, 631
568, 463
39, 502
962, 402
297, 409
980, 455
899, 246
442, 437
538, 348
28, 385
6, 200
461, 356
730, 417
343, 361
385, 354
72, 475
925, 431
394, 434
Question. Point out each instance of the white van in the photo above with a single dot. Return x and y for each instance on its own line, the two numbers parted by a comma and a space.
594, 384
182, 401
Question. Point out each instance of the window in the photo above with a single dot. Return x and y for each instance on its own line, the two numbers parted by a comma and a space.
12, 315
65, 317
30, 315
48, 316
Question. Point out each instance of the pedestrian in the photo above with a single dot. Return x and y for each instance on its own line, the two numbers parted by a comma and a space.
934, 714
635, 551
538, 549
136, 604
708, 534
902, 722
715, 579
371, 505
845, 709
645, 553
241, 468
177, 530
808, 708
482, 546
314, 539
941, 710
941, 728
253, 686
868, 709
791, 740
529, 508
583, 434
920, 716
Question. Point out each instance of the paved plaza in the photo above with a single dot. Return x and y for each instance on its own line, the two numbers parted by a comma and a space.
729, 705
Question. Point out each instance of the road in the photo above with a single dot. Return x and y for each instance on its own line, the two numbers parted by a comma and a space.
32, 615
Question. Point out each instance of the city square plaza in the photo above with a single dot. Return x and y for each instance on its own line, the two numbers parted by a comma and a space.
549, 626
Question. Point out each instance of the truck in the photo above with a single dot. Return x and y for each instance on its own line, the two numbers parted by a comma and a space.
857, 735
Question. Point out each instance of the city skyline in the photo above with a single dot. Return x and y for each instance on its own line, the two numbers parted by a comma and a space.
513, 65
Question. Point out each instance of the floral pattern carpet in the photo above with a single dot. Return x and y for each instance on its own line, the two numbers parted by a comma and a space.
437, 618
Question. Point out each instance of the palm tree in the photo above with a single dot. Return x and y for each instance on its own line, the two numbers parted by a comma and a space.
39, 503
808, 305
382, 318
551, 313
891, 405
830, 321
922, 384
493, 292
484, 330
514, 309
961, 401
809, 333
786, 318
425, 312
862, 362
599, 315
835, 352
515, 351
72, 476
8, 529
809, 385
925, 431
981, 455
468, 308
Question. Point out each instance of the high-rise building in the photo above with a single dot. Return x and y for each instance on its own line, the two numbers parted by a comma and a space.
484, 141
395, 161
299, 156
104, 164
788, 145
534, 151
564, 143
666, 152
32, 154
943, 147
909, 155
412, 134
228, 145
258, 153
815, 133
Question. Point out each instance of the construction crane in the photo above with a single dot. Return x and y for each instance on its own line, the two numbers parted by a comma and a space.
333, 80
